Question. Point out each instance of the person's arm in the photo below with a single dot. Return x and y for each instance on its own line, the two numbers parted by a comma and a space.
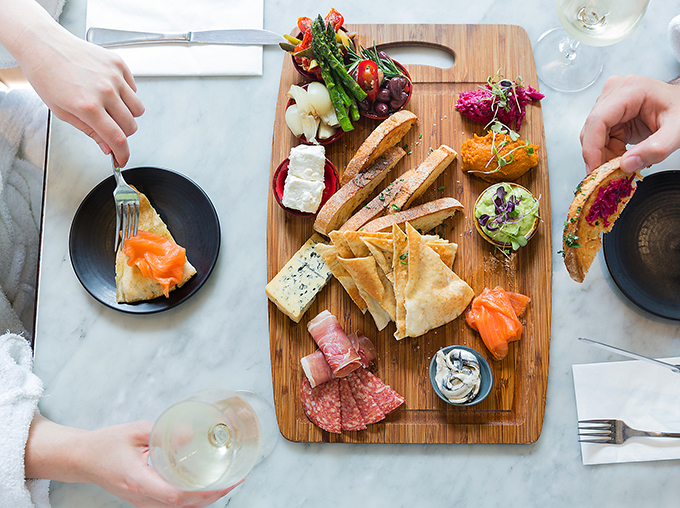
85, 85
632, 110
115, 458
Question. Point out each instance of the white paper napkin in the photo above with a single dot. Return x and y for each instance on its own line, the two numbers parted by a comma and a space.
645, 396
173, 16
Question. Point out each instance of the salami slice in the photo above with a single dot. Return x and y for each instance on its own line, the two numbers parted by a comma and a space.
322, 404
350, 416
387, 399
368, 408
333, 342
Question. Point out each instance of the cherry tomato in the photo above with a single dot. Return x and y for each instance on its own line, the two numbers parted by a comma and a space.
304, 24
335, 18
367, 77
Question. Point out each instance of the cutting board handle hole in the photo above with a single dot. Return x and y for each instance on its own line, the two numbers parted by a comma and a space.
420, 54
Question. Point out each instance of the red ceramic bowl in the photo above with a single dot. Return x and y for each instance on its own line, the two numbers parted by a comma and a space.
408, 89
330, 179
326, 141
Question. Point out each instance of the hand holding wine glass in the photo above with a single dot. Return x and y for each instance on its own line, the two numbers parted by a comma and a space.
569, 59
212, 439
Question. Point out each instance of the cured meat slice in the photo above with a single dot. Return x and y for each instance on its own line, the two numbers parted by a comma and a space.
322, 404
333, 342
316, 368
368, 407
350, 416
364, 347
387, 398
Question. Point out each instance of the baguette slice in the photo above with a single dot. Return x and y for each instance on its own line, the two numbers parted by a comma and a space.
424, 217
340, 206
581, 239
404, 190
385, 135
420, 178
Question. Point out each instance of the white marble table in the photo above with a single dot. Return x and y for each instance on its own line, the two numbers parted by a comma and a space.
102, 367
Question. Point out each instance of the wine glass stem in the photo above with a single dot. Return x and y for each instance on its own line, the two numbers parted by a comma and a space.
569, 48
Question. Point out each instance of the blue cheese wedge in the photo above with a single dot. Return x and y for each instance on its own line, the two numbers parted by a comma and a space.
296, 285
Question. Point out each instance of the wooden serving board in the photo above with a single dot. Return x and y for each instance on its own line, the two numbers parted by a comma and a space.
513, 412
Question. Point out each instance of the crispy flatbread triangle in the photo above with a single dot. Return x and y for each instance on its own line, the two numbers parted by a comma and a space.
329, 253
400, 274
434, 294
368, 276
131, 285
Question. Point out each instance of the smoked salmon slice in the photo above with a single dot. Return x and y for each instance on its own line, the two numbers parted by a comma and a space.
493, 313
156, 257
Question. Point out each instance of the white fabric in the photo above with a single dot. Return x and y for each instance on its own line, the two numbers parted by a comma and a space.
19, 394
643, 395
179, 16
674, 36
23, 121
54, 7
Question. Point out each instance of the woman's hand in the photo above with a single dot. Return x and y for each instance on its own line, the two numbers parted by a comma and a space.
114, 458
632, 110
85, 85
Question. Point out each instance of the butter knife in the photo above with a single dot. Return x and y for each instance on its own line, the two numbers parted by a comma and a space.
612, 349
240, 36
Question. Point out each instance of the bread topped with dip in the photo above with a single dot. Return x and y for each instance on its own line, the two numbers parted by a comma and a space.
599, 200
156, 251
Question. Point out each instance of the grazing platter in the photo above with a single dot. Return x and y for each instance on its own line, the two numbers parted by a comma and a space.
513, 410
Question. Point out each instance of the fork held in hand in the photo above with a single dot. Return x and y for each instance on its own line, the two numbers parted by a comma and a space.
613, 432
127, 207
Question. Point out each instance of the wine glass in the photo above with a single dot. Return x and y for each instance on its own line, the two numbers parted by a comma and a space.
212, 439
569, 59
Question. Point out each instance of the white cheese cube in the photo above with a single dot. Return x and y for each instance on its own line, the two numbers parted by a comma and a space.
301, 194
307, 162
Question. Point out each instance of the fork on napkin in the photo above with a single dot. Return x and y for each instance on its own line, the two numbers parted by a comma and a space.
644, 395
182, 16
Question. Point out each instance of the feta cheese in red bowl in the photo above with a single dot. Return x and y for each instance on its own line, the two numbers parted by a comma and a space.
304, 181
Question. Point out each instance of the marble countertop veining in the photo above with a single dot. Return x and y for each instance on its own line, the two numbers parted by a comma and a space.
101, 367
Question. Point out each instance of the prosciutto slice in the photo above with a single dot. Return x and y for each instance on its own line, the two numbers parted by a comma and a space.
316, 368
334, 343
364, 348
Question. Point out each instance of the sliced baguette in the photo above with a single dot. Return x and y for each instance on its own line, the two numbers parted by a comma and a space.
422, 177
424, 217
340, 206
404, 190
581, 239
385, 135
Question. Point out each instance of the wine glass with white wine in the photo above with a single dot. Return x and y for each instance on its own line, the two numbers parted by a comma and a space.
570, 59
212, 439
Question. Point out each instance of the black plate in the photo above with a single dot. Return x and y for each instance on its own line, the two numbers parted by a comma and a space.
183, 206
642, 251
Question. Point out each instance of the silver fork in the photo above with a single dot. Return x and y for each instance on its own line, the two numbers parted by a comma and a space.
127, 207
613, 432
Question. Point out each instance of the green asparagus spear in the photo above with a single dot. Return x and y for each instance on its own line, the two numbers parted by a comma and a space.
336, 97
323, 52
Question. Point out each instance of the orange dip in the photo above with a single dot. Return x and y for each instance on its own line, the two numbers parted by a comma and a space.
480, 158
157, 258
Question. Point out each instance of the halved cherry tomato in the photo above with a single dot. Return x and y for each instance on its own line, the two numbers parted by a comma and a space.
304, 24
367, 77
335, 18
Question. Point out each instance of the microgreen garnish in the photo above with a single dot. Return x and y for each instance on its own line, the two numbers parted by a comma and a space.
507, 217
